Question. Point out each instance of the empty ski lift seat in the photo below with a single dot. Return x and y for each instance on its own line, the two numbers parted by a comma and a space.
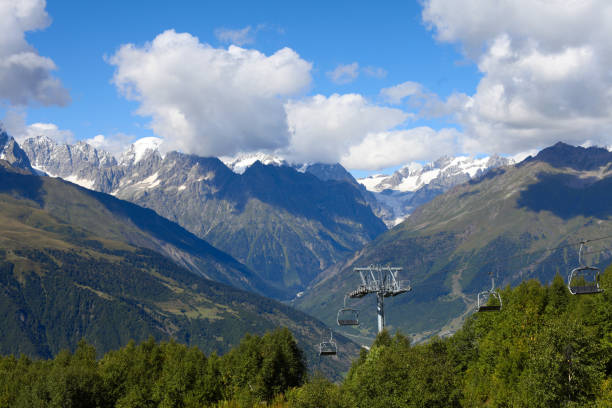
485, 297
489, 308
583, 280
348, 317
328, 347
584, 286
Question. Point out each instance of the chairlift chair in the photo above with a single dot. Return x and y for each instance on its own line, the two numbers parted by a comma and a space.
485, 297
583, 280
347, 316
328, 347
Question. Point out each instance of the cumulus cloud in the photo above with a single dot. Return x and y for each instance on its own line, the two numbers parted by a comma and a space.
14, 122
344, 74
545, 67
211, 101
25, 76
241, 36
324, 128
392, 148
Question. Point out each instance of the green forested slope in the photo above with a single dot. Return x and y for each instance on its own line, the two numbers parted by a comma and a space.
36, 201
155, 374
67, 272
503, 223
546, 348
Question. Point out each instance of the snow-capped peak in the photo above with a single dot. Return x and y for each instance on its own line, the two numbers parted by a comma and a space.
239, 163
414, 176
139, 149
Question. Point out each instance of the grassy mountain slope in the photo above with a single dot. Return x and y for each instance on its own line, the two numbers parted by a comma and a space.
67, 271
119, 220
502, 223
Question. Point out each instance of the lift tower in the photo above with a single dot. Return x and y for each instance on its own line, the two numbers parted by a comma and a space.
383, 281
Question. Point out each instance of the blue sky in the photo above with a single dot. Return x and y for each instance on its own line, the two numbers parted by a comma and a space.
483, 79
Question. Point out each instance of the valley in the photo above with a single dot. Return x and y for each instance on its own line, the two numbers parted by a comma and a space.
444, 247
80, 264
514, 222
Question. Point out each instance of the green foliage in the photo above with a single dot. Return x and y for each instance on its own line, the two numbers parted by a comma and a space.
394, 374
319, 392
109, 296
546, 348
152, 374
261, 367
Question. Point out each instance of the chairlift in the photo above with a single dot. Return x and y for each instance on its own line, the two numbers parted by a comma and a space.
583, 280
489, 300
328, 347
347, 316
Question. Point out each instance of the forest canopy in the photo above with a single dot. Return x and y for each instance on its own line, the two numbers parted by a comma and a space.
545, 348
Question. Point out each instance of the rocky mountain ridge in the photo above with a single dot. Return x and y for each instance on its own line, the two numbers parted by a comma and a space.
76, 263
416, 184
286, 224
517, 222
12, 152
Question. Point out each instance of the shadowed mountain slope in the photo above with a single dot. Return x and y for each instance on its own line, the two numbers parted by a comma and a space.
285, 225
507, 223
78, 264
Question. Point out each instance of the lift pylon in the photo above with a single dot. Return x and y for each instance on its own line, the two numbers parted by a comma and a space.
381, 280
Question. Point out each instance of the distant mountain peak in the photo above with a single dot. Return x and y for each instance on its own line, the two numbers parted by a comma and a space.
12, 153
562, 155
242, 161
445, 170
415, 184
140, 149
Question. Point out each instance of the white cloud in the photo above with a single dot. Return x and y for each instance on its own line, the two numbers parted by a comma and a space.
25, 76
344, 74
15, 125
114, 144
325, 128
211, 101
396, 94
393, 148
519, 157
545, 66
241, 36
51, 130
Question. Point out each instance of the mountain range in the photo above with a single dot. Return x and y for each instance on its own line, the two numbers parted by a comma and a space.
416, 184
273, 216
76, 263
469, 218
285, 225
515, 222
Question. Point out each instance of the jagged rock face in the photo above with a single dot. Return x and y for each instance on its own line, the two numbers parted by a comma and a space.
414, 185
286, 225
242, 209
12, 153
80, 163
